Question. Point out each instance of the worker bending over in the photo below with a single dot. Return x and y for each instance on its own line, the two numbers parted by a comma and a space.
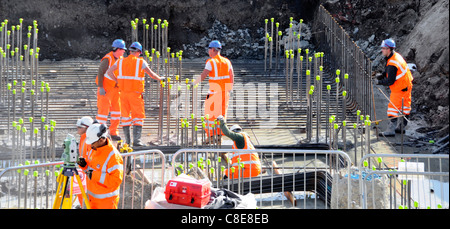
399, 79
104, 169
221, 79
108, 96
241, 140
131, 79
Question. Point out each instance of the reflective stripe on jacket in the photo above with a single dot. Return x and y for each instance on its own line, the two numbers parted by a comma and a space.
107, 165
131, 77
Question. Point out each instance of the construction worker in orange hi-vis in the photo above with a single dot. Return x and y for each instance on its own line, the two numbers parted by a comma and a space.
108, 96
83, 148
104, 169
399, 79
221, 79
131, 79
245, 164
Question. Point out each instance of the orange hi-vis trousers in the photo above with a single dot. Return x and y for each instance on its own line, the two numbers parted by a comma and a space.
106, 104
132, 109
216, 104
395, 104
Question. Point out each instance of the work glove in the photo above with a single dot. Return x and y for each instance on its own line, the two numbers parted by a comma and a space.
375, 81
102, 91
220, 118
81, 162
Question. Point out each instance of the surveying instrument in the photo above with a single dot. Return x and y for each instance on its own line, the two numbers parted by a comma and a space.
64, 192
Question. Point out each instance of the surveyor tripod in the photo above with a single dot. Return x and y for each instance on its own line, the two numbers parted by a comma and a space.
64, 193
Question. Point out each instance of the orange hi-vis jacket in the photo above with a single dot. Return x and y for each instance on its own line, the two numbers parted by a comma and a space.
131, 79
108, 83
103, 188
83, 148
220, 84
130, 75
402, 87
110, 102
252, 164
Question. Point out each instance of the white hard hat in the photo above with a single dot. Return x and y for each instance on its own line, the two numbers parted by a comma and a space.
236, 128
85, 122
95, 132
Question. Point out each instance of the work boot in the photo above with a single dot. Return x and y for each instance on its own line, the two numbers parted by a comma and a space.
219, 139
390, 131
207, 141
137, 132
398, 128
116, 138
127, 133
210, 140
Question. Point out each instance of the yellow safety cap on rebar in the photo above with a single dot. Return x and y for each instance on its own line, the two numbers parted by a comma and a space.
365, 163
380, 160
19, 170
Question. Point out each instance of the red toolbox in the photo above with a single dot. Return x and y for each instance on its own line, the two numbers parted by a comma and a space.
188, 191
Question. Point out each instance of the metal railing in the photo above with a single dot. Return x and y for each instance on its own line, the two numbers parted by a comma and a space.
29, 186
289, 179
143, 172
34, 185
303, 172
404, 180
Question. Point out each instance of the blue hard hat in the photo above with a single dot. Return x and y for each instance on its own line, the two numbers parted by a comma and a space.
388, 43
119, 43
215, 44
136, 46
